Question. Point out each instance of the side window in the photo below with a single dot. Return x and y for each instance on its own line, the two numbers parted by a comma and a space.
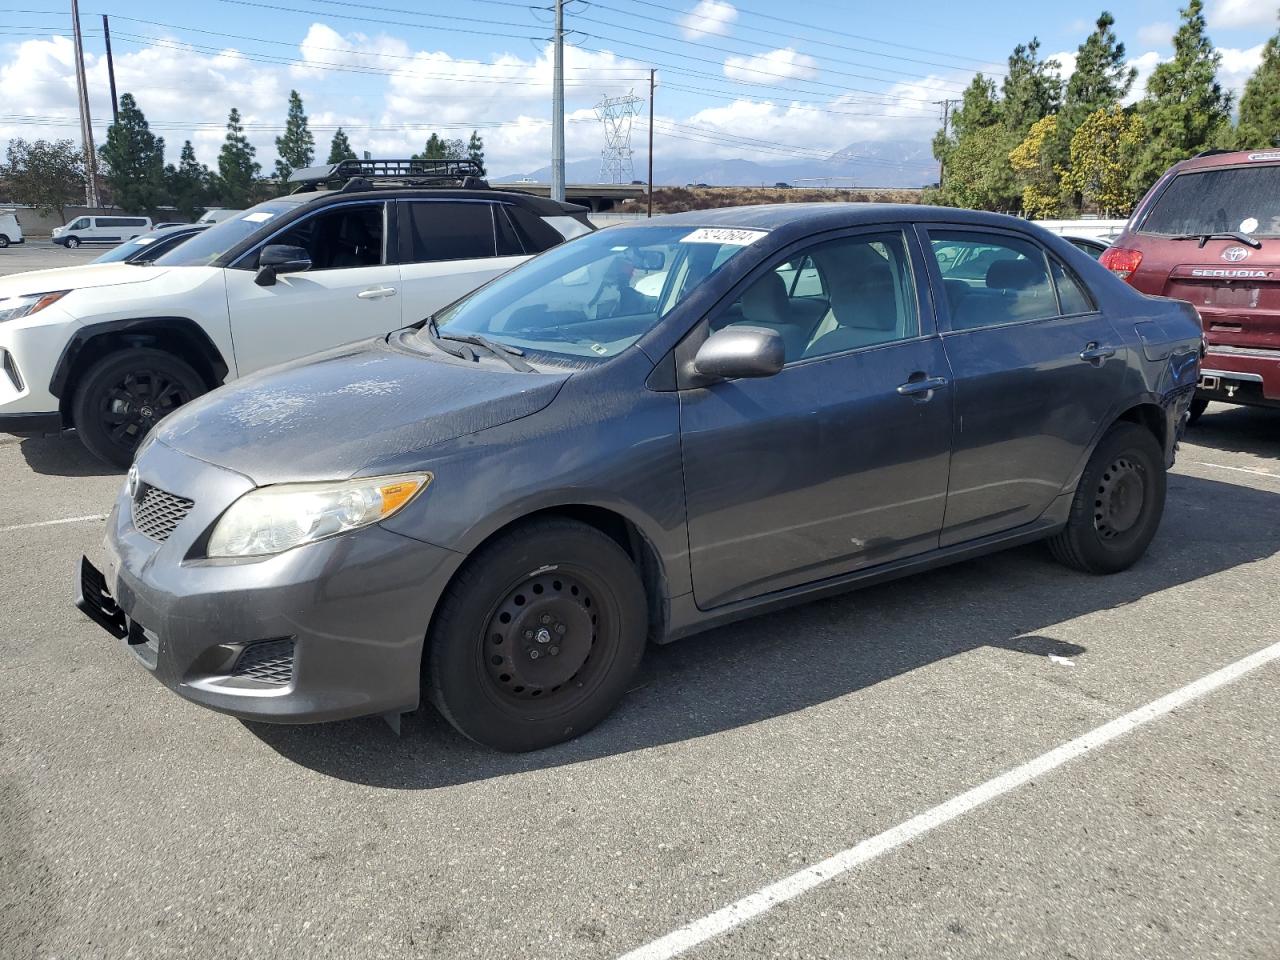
340, 238
536, 234
992, 279
81, 224
509, 244
1072, 297
839, 295
445, 230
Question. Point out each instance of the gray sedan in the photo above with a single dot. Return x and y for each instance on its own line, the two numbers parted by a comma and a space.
643, 433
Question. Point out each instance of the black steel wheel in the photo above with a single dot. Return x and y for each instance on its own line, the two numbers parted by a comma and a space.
124, 395
1118, 503
537, 637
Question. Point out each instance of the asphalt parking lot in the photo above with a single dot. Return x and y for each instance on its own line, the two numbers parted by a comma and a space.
37, 253
135, 824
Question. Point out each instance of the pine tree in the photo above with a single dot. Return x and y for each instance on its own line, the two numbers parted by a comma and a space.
1185, 109
1259, 124
434, 150
1101, 77
1032, 89
475, 150
237, 170
134, 160
340, 148
188, 182
975, 157
296, 147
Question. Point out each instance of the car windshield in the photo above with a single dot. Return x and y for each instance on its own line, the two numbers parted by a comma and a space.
204, 248
127, 249
595, 296
1229, 200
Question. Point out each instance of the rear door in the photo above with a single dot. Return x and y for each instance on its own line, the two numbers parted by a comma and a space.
1036, 369
447, 248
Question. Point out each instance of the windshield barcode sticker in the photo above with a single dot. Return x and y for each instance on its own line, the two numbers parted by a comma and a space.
724, 235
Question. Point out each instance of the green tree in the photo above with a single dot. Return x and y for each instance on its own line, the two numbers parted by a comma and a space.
1032, 89
438, 148
1259, 124
1103, 151
966, 153
1033, 164
1185, 109
475, 150
340, 148
237, 170
296, 147
189, 182
133, 158
45, 174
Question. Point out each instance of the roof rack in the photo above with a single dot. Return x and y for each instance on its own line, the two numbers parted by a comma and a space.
364, 174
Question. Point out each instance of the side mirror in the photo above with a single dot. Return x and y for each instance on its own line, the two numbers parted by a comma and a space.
740, 351
277, 258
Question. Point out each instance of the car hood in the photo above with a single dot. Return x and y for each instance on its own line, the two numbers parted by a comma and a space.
331, 415
75, 278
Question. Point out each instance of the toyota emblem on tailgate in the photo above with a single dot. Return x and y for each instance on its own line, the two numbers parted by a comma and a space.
1234, 254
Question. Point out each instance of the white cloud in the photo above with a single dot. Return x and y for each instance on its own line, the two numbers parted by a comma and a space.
1066, 63
771, 67
707, 18
1158, 34
1238, 66
1145, 64
1231, 14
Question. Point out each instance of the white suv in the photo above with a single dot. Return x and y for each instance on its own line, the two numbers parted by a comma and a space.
363, 248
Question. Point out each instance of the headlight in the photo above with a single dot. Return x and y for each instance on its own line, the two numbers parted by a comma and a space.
274, 519
27, 304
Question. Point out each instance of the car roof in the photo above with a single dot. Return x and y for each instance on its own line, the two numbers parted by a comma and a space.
540, 205
833, 215
1229, 158
177, 228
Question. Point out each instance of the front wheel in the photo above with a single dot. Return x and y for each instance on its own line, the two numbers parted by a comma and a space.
73, 242
124, 395
538, 636
1118, 504
4, 241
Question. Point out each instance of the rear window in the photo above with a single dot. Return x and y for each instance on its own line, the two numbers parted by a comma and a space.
1243, 199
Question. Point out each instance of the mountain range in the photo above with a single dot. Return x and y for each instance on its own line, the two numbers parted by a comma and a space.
883, 163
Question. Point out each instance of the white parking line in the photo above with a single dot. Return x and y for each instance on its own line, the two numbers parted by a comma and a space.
1223, 466
52, 523
712, 925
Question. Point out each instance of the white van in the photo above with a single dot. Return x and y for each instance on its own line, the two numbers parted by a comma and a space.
10, 227
102, 229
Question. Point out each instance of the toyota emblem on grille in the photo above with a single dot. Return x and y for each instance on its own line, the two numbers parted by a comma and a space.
1234, 254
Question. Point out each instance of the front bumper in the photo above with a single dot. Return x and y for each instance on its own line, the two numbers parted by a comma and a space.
326, 631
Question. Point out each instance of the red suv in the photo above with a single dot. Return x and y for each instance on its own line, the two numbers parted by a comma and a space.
1208, 232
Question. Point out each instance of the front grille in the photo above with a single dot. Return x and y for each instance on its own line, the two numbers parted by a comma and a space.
269, 661
157, 513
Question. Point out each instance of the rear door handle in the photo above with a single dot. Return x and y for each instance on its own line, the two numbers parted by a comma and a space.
925, 385
375, 293
1093, 353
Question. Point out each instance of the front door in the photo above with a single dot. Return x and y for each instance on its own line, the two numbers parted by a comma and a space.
350, 292
1036, 368
840, 460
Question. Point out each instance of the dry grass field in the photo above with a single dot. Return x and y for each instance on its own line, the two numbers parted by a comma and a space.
677, 199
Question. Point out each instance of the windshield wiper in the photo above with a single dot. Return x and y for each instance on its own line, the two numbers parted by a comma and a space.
1222, 235
433, 334
510, 355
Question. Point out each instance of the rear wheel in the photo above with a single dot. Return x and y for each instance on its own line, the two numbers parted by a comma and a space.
1198, 407
1118, 504
73, 242
4, 241
538, 636
124, 395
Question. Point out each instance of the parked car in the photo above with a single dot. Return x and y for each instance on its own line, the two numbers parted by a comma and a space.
497, 507
113, 229
364, 247
1090, 245
149, 247
218, 214
170, 223
10, 228
1208, 232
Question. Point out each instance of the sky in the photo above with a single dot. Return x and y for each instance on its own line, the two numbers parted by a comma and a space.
775, 80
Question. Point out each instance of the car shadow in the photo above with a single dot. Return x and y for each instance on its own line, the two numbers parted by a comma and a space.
787, 661
1237, 429
63, 456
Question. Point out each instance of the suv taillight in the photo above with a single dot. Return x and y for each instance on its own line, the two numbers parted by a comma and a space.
1120, 261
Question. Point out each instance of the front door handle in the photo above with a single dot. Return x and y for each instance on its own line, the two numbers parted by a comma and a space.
1095, 354
376, 293
922, 388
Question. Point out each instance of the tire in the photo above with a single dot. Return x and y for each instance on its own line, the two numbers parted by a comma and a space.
520, 660
1118, 503
72, 243
1198, 407
124, 394
4, 241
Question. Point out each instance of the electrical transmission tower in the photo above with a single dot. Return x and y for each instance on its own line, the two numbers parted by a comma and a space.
616, 114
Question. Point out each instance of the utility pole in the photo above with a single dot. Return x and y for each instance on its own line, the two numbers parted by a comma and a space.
946, 106
111, 71
652, 72
557, 109
86, 123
